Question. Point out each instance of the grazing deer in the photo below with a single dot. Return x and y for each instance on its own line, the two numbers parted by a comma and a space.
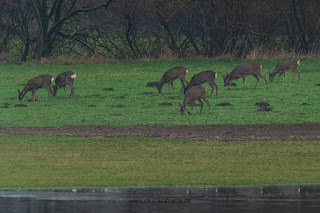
172, 74
201, 78
241, 71
283, 66
195, 93
62, 80
41, 81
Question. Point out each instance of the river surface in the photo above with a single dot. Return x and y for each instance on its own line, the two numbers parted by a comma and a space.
29, 202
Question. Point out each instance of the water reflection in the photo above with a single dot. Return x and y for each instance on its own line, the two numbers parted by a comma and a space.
24, 205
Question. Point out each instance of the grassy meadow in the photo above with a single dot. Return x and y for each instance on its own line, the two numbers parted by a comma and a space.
28, 161
92, 105
62, 161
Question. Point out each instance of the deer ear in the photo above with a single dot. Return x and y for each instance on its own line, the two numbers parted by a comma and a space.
19, 91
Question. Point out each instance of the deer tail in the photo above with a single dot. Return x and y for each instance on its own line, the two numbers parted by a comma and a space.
73, 76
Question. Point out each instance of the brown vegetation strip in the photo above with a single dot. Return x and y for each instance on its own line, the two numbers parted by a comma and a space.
201, 132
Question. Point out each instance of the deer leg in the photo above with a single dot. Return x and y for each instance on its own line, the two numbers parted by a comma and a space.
207, 103
191, 103
172, 87
182, 85
285, 76
34, 95
216, 86
57, 90
256, 77
294, 71
169, 83
212, 84
65, 92
201, 104
48, 88
294, 74
265, 79
71, 86
244, 82
279, 76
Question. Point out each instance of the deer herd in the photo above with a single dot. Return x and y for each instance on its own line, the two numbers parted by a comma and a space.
193, 90
44, 81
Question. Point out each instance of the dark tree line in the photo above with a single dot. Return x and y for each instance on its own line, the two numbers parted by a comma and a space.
145, 28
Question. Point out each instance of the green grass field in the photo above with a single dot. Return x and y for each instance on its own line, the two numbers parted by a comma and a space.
28, 161
129, 80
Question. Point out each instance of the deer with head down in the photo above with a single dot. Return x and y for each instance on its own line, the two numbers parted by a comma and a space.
201, 78
62, 80
193, 94
41, 81
283, 66
172, 74
241, 71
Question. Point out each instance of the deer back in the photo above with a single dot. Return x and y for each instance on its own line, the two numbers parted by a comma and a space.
174, 73
195, 93
243, 70
201, 78
287, 63
41, 81
282, 66
65, 77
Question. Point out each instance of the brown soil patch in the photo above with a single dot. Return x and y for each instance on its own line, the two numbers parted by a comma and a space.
224, 104
20, 105
225, 132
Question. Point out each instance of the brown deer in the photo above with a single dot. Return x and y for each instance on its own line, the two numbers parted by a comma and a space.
195, 93
62, 80
241, 71
172, 74
201, 78
283, 66
41, 81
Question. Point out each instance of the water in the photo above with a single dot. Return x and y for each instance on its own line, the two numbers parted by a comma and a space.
29, 202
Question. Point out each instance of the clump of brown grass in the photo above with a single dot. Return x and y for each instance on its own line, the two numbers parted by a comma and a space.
167, 55
4, 56
261, 52
96, 58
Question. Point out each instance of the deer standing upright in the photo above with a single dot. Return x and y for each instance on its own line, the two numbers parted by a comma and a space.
195, 93
283, 66
41, 81
241, 71
172, 74
201, 78
62, 80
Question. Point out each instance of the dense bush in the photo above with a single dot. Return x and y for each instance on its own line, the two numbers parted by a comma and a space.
157, 29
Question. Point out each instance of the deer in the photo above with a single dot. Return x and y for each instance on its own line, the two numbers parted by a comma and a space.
172, 74
62, 80
195, 93
201, 78
241, 71
41, 81
283, 66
